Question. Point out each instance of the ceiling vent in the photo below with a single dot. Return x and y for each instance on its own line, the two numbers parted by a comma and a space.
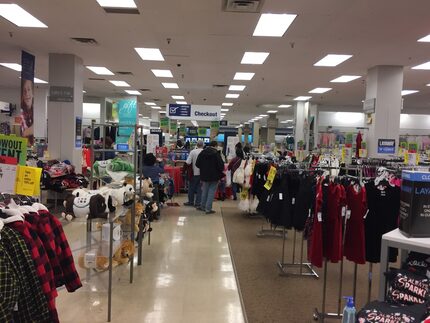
96, 79
145, 90
220, 86
123, 73
128, 11
86, 41
249, 6
156, 100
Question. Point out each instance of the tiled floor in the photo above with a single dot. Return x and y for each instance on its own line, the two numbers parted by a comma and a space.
186, 276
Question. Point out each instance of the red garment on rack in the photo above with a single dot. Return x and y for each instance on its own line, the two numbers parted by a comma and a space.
354, 247
315, 241
358, 141
336, 199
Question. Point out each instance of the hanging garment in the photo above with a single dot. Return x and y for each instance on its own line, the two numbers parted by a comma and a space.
358, 142
316, 236
384, 312
305, 197
333, 223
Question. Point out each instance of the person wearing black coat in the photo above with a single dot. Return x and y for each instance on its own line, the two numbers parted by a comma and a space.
211, 168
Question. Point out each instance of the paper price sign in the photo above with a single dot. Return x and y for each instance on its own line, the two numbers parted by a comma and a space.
270, 178
28, 181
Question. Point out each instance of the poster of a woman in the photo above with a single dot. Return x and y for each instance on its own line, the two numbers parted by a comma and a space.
27, 102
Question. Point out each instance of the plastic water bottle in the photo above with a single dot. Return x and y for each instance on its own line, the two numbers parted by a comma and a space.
349, 311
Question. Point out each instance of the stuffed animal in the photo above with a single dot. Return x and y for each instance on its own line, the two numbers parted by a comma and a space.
147, 188
124, 252
127, 219
91, 206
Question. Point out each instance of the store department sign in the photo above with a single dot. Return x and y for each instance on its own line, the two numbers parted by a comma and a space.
194, 112
369, 105
154, 124
60, 94
386, 146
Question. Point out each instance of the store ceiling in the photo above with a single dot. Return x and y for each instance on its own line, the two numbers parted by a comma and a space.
206, 46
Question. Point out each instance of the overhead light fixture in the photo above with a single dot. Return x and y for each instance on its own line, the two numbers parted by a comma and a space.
133, 92
407, 92
39, 81
424, 66
241, 76
145, 117
254, 58
100, 70
150, 54
181, 102
83, 91
225, 110
287, 121
162, 112
227, 104
119, 83
194, 122
425, 39
273, 25
222, 114
19, 17
321, 90
282, 106
263, 115
162, 73
237, 87
332, 60
178, 97
156, 108
345, 78
117, 3
303, 98
12, 66
149, 103
232, 95
170, 85
272, 111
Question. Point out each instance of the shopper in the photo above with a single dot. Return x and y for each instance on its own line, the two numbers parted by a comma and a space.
232, 167
195, 189
153, 171
211, 171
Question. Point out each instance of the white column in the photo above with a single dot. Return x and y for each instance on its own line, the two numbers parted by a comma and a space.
65, 70
256, 134
384, 83
155, 116
313, 115
272, 124
301, 130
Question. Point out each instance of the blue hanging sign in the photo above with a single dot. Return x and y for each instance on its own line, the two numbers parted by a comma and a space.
127, 115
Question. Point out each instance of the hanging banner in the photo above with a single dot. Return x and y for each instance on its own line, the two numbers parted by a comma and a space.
16, 147
164, 124
8, 178
78, 132
127, 115
173, 127
152, 142
27, 96
193, 112
28, 181
182, 130
386, 146
214, 129
201, 132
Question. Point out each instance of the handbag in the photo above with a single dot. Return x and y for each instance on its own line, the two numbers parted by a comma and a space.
239, 174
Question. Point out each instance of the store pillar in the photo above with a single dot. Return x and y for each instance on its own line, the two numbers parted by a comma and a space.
272, 124
239, 133
256, 134
301, 130
65, 107
384, 84
246, 133
155, 115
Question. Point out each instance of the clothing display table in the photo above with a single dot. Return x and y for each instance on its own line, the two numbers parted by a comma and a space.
395, 239
175, 173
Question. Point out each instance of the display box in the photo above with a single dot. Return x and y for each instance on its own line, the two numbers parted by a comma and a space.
415, 204
116, 231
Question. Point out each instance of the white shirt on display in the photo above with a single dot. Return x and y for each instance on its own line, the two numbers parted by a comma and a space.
192, 158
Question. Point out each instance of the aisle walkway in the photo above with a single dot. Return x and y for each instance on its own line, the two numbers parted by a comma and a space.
187, 276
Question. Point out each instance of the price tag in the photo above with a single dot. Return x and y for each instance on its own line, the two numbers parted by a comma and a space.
293, 201
270, 178
343, 211
365, 216
281, 196
319, 217
348, 214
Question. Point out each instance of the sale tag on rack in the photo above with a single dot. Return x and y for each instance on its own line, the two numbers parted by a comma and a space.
270, 178
8, 178
28, 181
362, 153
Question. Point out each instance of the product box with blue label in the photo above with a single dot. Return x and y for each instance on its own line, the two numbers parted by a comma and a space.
415, 204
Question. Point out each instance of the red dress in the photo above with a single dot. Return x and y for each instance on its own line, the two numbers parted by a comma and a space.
315, 241
354, 248
336, 199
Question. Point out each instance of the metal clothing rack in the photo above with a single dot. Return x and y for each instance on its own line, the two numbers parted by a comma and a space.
273, 232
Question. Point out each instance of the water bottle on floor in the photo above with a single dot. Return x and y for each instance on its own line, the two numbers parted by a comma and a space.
349, 311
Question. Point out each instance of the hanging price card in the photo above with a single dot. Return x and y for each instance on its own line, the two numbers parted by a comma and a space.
28, 180
270, 178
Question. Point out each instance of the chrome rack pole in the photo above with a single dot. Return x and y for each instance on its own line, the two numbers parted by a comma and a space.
110, 270
133, 206
339, 299
370, 277
354, 286
294, 248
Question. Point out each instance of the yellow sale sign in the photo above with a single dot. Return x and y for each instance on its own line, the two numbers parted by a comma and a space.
28, 180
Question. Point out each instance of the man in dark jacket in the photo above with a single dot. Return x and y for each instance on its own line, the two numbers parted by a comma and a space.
211, 171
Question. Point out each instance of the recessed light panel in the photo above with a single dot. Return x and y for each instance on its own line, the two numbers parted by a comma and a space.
320, 90
283, 106
232, 95
425, 39
263, 115
133, 92
407, 92
156, 108
345, 78
39, 81
170, 85
254, 57
272, 111
162, 112
243, 76
100, 70
12, 66
117, 3
225, 110
227, 104
237, 87
178, 97
149, 103
303, 98
273, 25
150, 54
332, 60
181, 102
19, 17
119, 83
162, 73
424, 66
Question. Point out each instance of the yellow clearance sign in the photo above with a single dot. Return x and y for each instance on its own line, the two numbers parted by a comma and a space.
28, 180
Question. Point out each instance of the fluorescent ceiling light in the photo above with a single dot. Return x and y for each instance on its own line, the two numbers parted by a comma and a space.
263, 115
407, 92
145, 117
162, 112
170, 85
243, 76
425, 39
332, 60
227, 104
237, 87
302, 98
162, 73
19, 17
12, 66
287, 121
225, 110
99, 70
424, 66
150, 54
149, 103
232, 95
272, 111
39, 81
254, 57
178, 97
83, 91
119, 83
181, 102
133, 92
117, 3
156, 108
284, 106
273, 25
345, 78
321, 90
194, 122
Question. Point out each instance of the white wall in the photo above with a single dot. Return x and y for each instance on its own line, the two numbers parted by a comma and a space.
90, 111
